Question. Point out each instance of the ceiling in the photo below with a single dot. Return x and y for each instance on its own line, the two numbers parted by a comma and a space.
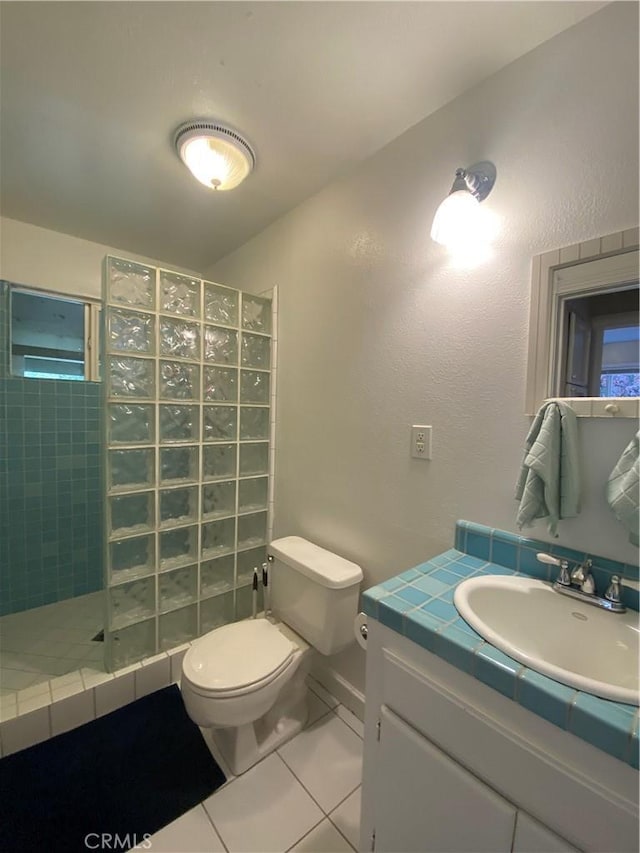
91, 93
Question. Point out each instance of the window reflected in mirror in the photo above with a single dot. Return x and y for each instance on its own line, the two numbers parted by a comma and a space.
600, 345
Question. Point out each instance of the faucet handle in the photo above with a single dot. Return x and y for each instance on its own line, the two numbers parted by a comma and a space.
564, 578
614, 590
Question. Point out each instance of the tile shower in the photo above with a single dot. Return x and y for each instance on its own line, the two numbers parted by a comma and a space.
187, 369
50, 496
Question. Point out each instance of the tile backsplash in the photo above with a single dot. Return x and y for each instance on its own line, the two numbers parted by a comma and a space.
519, 553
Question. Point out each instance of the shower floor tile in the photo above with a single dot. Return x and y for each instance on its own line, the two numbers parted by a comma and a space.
50, 641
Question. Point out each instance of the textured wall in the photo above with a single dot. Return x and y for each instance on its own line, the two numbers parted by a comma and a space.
38, 257
378, 330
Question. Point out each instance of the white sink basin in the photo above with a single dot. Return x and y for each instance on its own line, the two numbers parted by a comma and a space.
572, 642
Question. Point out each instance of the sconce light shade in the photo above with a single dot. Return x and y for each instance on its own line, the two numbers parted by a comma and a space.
455, 218
215, 155
458, 219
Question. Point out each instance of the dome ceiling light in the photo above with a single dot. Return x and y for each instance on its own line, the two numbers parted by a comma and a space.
215, 155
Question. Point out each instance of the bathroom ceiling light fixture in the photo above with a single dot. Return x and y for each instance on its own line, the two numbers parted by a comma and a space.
216, 155
458, 220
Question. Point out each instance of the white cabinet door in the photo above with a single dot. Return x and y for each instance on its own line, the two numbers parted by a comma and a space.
425, 801
533, 837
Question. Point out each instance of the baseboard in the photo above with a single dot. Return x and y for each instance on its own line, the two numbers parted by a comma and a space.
338, 686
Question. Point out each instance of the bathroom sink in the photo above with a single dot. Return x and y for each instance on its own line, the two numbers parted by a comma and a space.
571, 642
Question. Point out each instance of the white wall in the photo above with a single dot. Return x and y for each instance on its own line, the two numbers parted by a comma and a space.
378, 331
38, 257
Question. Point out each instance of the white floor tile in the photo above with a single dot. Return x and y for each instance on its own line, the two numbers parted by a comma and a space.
317, 708
265, 810
71, 712
327, 759
325, 838
8, 700
32, 692
114, 694
43, 700
347, 817
44, 643
91, 676
65, 680
191, 833
175, 658
13, 679
154, 674
26, 730
8, 711
69, 689
351, 720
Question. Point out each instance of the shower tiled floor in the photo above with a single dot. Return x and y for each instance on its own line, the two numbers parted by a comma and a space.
305, 797
49, 641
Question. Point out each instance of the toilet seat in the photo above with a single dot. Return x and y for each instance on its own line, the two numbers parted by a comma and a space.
237, 659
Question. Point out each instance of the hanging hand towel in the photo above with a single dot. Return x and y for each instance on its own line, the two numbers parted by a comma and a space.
549, 481
622, 489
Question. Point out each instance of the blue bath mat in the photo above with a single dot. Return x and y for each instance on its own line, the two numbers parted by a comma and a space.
128, 773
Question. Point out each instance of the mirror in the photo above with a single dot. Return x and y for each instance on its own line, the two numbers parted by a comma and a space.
584, 329
598, 345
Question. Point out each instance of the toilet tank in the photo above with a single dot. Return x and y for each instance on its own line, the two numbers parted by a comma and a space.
315, 592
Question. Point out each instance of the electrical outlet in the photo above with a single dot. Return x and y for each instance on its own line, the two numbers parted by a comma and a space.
421, 442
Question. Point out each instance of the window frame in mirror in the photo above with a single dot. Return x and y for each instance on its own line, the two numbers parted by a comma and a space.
541, 364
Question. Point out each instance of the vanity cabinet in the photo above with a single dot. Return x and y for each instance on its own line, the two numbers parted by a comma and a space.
452, 765
426, 801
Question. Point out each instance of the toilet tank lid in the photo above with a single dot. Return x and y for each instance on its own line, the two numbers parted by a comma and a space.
320, 565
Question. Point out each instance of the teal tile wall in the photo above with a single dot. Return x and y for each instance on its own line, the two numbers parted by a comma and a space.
50, 486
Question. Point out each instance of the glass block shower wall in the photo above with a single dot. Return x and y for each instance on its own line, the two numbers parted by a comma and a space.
187, 370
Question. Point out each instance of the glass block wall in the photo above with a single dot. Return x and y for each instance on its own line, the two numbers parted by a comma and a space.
187, 370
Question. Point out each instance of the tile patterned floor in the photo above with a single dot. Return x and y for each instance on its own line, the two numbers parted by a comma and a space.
50, 641
305, 797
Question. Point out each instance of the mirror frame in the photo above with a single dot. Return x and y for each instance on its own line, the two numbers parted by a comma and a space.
540, 363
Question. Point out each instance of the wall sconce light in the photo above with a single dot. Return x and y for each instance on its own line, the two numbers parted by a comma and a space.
215, 155
459, 223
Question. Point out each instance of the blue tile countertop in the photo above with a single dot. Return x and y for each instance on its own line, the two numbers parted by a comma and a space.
419, 605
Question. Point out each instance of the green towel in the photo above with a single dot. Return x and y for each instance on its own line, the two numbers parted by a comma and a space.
549, 481
622, 489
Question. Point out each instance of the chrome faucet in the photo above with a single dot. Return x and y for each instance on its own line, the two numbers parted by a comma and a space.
579, 583
582, 577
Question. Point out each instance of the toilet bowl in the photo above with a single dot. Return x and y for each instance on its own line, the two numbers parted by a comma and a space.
234, 674
244, 683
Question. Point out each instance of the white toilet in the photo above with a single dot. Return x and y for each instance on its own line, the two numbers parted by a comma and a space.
246, 681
